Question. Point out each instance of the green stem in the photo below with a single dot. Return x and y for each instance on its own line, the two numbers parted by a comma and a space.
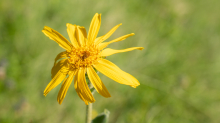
89, 113
89, 108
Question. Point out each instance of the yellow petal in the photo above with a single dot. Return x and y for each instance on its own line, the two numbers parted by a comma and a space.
82, 88
57, 67
81, 35
103, 45
57, 79
78, 92
71, 30
56, 36
109, 51
60, 61
107, 35
65, 86
97, 39
94, 28
62, 55
97, 83
112, 71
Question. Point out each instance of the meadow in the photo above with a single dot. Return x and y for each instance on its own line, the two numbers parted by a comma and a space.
178, 71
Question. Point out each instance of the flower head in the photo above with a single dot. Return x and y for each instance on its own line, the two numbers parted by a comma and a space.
84, 54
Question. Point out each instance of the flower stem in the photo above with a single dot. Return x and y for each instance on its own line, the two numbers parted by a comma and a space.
89, 113
89, 108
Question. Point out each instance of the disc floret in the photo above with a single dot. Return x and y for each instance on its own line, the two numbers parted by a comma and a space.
83, 56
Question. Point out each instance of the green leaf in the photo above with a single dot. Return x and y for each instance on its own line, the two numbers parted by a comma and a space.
102, 118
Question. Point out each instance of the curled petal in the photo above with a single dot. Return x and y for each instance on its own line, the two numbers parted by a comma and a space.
60, 61
62, 66
62, 55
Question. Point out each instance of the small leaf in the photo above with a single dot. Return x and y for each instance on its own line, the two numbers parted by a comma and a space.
102, 118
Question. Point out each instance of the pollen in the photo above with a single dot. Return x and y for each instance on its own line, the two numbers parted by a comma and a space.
83, 56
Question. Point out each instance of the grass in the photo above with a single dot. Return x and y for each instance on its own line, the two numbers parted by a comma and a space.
178, 69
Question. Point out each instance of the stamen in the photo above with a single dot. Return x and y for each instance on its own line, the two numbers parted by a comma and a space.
83, 56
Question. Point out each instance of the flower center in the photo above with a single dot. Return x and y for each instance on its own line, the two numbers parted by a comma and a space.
83, 56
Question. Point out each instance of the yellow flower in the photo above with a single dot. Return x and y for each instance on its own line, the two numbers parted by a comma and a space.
83, 55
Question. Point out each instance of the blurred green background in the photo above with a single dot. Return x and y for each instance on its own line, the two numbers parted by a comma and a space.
178, 69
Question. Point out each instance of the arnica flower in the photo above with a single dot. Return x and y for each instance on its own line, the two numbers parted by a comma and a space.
84, 55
